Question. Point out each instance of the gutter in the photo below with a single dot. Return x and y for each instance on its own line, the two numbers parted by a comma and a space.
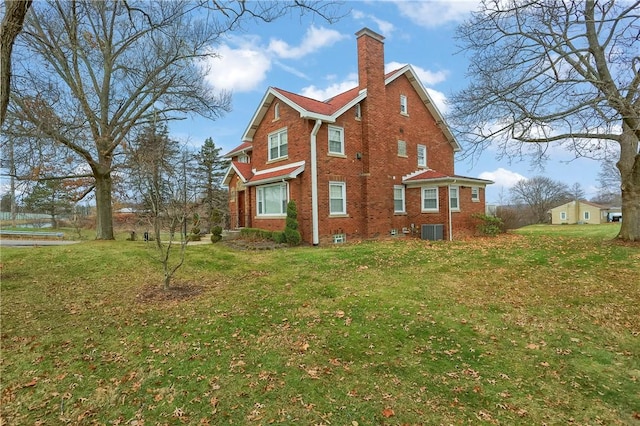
314, 184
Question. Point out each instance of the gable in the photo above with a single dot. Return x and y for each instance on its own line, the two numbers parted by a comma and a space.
329, 110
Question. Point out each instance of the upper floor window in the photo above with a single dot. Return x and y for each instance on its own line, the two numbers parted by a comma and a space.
454, 200
337, 198
358, 110
430, 200
422, 156
403, 105
272, 200
243, 158
278, 144
336, 140
402, 149
475, 193
398, 198
276, 112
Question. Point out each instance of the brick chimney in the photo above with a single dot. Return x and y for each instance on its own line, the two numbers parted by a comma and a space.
375, 147
370, 60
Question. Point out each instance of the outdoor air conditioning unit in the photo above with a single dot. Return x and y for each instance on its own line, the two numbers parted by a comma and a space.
432, 232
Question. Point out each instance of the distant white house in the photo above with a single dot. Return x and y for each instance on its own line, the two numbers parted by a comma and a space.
583, 212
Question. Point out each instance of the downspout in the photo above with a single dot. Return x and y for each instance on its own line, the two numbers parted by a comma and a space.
449, 204
314, 184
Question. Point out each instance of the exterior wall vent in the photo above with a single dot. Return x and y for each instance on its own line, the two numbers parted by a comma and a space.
432, 232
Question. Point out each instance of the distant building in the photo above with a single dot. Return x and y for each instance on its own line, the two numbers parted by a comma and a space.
584, 212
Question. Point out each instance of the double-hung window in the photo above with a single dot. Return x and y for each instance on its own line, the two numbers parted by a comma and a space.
272, 200
422, 156
563, 215
430, 200
398, 199
475, 193
337, 198
587, 215
336, 140
278, 147
454, 198
403, 105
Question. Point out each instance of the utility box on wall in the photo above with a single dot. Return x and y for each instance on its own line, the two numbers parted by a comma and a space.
432, 232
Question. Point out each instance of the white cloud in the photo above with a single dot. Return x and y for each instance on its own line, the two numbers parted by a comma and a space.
384, 27
427, 77
439, 99
314, 39
334, 89
241, 64
432, 14
502, 177
239, 69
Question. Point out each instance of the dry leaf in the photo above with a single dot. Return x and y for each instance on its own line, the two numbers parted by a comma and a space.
388, 412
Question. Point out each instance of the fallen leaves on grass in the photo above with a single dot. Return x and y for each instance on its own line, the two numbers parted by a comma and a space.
155, 293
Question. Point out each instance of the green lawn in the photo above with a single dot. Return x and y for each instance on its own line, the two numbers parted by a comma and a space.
538, 327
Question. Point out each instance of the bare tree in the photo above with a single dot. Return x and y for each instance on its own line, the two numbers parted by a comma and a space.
14, 13
576, 192
158, 173
608, 184
540, 194
556, 72
87, 72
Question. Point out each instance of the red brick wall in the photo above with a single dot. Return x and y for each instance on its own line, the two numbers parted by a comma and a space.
369, 179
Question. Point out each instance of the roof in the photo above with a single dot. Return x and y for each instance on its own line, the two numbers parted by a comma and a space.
276, 174
588, 203
426, 176
251, 177
330, 109
243, 170
242, 148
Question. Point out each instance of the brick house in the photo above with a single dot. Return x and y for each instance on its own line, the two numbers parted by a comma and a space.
374, 161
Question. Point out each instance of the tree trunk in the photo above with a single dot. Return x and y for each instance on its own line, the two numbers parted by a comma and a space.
14, 14
629, 166
104, 216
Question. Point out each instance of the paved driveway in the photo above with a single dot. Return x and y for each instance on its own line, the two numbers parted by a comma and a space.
34, 243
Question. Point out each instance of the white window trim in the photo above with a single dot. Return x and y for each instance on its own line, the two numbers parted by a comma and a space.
400, 187
586, 215
457, 191
343, 186
422, 163
341, 130
260, 191
404, 105
279, 133
475, 194
276, 112
422, 199
563, 215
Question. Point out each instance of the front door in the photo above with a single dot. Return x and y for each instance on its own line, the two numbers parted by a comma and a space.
241, 207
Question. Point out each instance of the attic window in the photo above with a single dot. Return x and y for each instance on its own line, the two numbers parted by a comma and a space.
358, 110
276, 112
243, 158
422, 156
403, 105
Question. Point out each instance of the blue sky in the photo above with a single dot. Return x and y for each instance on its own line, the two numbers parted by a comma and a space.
308, 56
